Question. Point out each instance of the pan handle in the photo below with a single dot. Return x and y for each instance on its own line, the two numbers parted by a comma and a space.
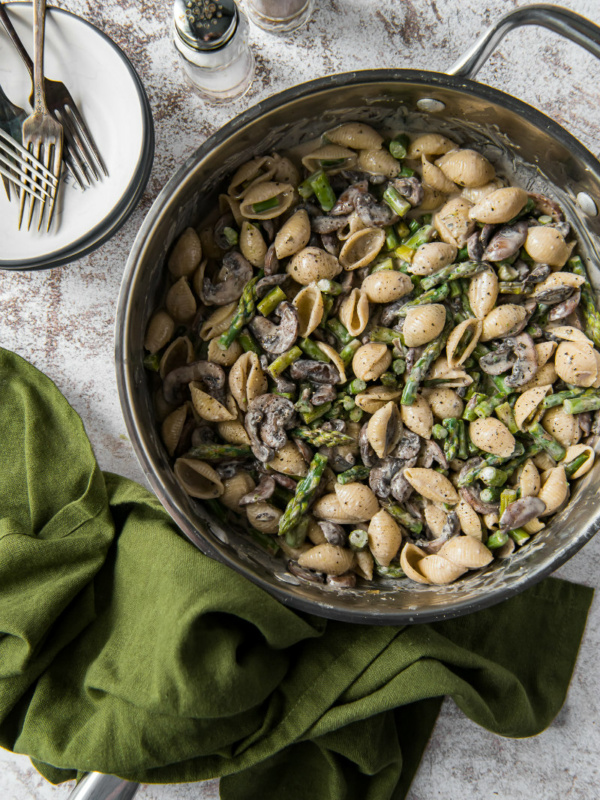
560, 20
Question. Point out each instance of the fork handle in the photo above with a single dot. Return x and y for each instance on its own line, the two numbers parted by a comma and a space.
39, 27
14, 37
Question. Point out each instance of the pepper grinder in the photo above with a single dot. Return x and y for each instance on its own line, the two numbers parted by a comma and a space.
212, 39
280, 16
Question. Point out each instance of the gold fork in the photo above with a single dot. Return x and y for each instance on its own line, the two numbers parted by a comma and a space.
42, 134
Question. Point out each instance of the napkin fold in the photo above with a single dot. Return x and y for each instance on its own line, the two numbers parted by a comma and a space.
126, 651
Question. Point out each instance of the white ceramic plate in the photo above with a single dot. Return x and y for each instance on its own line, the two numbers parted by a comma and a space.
112, 100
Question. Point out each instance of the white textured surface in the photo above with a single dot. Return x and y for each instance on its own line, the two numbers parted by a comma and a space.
63, 321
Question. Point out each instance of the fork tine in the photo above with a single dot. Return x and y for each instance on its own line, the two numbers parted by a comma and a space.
25, 154
85, 133
56, 164
6, 183
76, 146
36, 152
76, 171
17, 183
14, 171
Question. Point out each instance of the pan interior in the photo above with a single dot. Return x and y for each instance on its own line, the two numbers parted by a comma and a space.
525, 146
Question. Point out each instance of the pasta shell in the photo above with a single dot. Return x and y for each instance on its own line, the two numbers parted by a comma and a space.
180, 301
535, 526
429, 144
356, 135
547, 245
283, 193
452, 222
198, 479
466, 168
483, 292
310, 308
331, 157
576, 450
186, 254
233, 432
218, 322
529, 480
467, 552
252, 244
234, 489
224, 357
462, 341
492, 436
568, 333
247, 380
470, 524
179, 353
312, 264
477, 194
250, 174
327, 558
435, 518
329, 508
285, 171
172, 428
293, 235
544, 352
418, 418
500, 206
528, 408
352, 226
371, 360
384, 429
434, 177
543, 461
558, 280
362, 248
378, 162
555, 490
444, 403
159, 332
545, 376
431, 485
431, 257
423, 324
576, 363
385, 537
354, 312
439, 571
375, 397
264, 517
335, 359
410, 561
207, 407
229, 205
506, 550
562, 426
452, 376
289, 461
386, 286
501, 321
315, 533
491, 521
364, 564
357, 501
432, 199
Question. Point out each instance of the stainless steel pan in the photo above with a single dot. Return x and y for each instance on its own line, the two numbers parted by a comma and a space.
541, 156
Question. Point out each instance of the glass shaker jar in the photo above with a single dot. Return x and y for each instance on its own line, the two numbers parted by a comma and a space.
211, 37
280, 16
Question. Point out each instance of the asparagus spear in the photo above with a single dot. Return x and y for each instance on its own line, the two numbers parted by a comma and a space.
283, 361
395, 201
497, 540
464, 269
451, 444
271, 301
320, 185
419, 236
519, 536
493, 476
245, 311
420, 369
558, 399
403, 517
591, 315
339, 330
385, 335
435, 295
358, 539
321, 438
572, 466
546, 441
586, 402
357, 473
217, 452
313, 350
305, 494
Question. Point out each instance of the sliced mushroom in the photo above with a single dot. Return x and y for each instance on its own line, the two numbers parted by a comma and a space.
507, 242
381, 475
327, 224
314, 371
526, 365
400, 488
410, 188
265, 284
276, 339
334, 533
267, 419
233, 276
263, 491
521, 512
212, 376
374, 214
346, 202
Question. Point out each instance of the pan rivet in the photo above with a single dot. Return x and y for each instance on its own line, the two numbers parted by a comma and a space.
431, 105
587, 204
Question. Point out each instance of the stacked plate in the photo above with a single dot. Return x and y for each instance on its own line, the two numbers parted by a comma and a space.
111, 98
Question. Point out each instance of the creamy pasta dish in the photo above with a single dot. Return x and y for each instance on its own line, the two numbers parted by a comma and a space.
379, 358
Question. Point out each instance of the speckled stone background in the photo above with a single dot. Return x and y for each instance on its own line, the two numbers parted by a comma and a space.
62, 320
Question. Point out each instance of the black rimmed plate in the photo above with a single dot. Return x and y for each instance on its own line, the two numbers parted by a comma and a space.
110, 96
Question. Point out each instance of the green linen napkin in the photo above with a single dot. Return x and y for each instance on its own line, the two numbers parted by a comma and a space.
125, 650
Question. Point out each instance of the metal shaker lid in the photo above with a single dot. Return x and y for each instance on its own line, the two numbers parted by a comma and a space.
205, 25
